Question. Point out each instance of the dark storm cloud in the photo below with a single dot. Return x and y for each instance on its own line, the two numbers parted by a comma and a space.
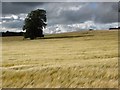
18, 7
99, 12
60, 13
63, 13
119, 12
105, 12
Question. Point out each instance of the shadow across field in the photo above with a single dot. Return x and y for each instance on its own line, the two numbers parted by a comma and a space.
71, 36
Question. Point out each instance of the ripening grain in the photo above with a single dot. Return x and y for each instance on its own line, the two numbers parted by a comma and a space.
79, 59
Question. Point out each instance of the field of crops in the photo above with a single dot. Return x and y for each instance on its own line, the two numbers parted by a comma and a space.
77, 59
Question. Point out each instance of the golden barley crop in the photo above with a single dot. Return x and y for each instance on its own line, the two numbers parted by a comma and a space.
69, 60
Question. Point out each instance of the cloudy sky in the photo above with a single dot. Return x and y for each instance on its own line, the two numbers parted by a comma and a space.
62, 17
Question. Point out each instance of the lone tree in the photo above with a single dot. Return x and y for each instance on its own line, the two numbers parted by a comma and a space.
34, 24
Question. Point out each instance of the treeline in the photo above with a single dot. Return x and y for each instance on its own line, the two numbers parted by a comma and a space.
114, 28
11, 34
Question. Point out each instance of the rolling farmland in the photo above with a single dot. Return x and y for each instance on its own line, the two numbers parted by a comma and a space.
68, 60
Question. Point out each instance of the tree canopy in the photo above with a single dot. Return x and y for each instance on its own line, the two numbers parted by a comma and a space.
34, 24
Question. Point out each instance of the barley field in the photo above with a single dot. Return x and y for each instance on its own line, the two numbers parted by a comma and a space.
85, 59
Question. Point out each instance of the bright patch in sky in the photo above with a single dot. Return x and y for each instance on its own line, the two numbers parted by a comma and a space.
63, 17
15, 17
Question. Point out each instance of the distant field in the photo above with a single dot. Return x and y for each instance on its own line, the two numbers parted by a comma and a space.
78, 59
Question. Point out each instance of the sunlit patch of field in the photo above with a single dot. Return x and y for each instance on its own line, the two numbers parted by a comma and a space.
79, 59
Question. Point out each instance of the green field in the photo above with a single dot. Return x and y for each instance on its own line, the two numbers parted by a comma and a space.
77, 59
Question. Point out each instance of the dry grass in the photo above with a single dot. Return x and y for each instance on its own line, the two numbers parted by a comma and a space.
79, 59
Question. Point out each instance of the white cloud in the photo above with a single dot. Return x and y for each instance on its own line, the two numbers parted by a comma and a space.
15, 17
12, 17
78, 27
69, 28
4, 29
22, 16
63, 17
71, 8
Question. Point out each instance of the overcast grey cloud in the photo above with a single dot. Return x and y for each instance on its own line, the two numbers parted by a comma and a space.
99, 12
18, 7
67, 13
